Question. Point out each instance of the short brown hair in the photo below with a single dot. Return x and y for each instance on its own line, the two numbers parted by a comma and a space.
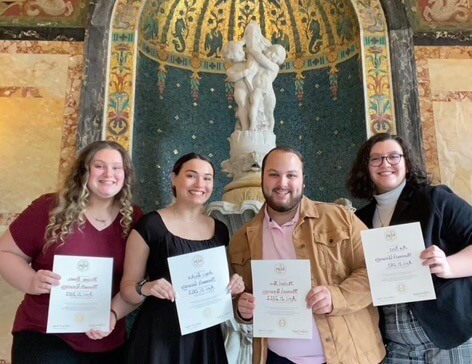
285, 149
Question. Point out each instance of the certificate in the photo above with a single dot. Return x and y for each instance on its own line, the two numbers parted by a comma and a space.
82, 300
395, 270
201, 281
280, 288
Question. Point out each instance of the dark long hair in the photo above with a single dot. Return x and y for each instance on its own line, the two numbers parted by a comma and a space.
359, 182
184, 159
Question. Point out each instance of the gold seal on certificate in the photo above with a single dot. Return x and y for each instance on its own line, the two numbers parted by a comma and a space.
280, 288
395, 270
200, 281
83, 298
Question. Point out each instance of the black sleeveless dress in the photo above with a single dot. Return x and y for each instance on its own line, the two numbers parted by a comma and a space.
155, 337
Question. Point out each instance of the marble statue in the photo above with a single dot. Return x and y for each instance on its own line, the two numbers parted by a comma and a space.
254, 63
262, 96
239, 74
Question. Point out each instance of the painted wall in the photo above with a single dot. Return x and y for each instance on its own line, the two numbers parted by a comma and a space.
39, 106
445, 81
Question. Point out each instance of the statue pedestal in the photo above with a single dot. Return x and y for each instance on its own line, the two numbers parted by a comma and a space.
247, 188
247, 150
238, 337
248, 141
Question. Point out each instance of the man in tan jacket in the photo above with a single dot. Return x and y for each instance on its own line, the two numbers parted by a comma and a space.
290, 226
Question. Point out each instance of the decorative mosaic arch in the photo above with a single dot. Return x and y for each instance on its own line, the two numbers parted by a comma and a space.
123, 53
376, 67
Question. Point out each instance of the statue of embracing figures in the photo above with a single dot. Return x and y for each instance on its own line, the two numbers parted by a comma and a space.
254, 65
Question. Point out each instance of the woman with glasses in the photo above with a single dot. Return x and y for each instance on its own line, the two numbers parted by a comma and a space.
436, 331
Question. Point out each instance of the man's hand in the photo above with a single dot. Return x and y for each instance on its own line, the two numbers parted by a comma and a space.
319, 300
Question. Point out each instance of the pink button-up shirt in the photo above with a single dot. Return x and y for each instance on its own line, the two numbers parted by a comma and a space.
278, 244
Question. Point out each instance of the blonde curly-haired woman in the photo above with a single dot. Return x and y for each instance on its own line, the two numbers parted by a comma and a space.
91, 215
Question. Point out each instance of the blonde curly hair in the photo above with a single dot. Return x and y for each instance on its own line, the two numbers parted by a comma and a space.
72, 198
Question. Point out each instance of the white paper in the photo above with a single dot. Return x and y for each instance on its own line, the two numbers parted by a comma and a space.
82, 300
201, 281
395, 270
280, 288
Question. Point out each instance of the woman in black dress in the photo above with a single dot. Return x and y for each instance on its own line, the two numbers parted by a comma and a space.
178, 229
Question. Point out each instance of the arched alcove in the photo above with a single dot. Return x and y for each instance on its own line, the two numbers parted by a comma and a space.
323, 103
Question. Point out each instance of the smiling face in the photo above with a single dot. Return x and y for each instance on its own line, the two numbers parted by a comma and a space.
194, 182
387, 177
106, 174
282, 181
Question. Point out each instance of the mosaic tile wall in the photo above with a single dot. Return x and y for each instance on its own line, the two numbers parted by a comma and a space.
327, 131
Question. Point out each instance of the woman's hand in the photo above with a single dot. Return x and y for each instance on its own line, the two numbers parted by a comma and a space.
42, 282
236, 284
99, 334
435, 258
159, 288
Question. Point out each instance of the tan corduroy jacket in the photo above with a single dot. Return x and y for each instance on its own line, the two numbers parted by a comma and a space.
329, 236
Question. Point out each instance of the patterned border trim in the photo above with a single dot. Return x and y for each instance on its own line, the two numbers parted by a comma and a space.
216, 66
379, 106
444, 38
51, 34
121, 73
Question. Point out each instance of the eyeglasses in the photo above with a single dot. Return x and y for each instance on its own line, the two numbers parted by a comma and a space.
393, 159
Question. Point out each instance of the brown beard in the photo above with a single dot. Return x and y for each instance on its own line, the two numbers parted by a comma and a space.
293, 203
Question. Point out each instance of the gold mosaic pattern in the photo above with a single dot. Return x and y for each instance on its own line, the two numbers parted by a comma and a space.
189, 35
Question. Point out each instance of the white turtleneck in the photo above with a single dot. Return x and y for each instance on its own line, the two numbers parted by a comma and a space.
385, 207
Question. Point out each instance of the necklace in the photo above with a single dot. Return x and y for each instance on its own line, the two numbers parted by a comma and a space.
103, 221
106, 214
